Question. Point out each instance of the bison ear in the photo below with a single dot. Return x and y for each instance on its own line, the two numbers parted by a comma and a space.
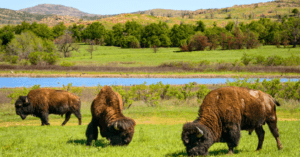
199, 132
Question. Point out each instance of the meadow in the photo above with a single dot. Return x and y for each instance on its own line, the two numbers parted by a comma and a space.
116, 56
157, 133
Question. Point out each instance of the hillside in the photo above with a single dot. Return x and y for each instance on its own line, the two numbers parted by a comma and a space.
53, 9
52, 14
8, 16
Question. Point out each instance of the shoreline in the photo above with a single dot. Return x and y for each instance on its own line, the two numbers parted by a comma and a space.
148, 75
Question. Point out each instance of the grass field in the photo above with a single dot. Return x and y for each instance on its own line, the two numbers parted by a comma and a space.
115, 56
157, 133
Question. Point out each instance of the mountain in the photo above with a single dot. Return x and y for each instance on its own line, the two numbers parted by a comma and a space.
48, 9
8, 16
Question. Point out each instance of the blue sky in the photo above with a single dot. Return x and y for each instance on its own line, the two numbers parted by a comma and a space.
126, 6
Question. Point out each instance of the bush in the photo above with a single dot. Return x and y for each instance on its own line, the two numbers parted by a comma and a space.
14, 59
67, 64
198, 42
51, 58
24, 62
246, 59
274, 60
35, 57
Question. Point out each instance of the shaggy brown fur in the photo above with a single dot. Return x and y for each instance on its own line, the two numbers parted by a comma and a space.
107, 115
44, 101
226, 111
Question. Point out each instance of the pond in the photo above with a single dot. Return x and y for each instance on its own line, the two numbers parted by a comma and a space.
11, 82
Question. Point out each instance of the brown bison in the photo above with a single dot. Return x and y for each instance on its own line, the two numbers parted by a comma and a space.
224, 113
107, 115
44, 101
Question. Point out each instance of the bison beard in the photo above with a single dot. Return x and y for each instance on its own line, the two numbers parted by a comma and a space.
224, 113
107, 115
42, 102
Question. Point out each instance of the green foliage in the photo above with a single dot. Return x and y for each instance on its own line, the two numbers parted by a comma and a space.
34, 57
24, 62
21, 92
59, 30
51, 58
13, 59
246, 59
274, 60
67, 64
72, 89
200, 26
96, 30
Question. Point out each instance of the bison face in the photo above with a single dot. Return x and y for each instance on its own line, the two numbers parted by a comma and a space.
196, 138
121, 132
21, 106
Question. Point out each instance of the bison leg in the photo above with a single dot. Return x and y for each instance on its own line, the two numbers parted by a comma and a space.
68, 115
233, 137
261, 135
44, 119
273, 128
91, 133
78, 115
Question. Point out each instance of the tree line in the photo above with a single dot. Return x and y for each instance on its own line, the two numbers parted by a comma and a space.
21, 40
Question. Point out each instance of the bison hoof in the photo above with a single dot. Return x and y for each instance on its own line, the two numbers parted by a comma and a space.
280, 147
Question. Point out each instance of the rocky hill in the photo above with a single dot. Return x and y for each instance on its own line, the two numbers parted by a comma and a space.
54, 9
8, 16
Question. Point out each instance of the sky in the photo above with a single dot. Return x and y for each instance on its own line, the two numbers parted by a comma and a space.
109, 7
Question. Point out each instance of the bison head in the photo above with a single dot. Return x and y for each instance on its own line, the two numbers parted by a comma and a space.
120, 132
196, 138
22, 106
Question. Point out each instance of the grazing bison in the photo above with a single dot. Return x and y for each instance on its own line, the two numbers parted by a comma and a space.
224, 113
44, 101
107, 115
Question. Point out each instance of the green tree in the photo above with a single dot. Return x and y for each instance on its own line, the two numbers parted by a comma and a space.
41, 30
24, 26
200, 26
24, 44
59, 30
118, 34
96, 30
76, 31
6, 34
181, 32
295, 11
65, 44
229, 26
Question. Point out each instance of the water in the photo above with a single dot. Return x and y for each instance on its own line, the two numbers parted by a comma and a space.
11, 82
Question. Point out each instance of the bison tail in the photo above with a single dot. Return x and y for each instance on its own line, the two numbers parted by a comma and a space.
277, 103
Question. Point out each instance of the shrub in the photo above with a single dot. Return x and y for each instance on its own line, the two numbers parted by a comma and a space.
51, 58
246, 59
34, 57
274, 60
67, 64
13, 59
24, 62
198, 42
259, 59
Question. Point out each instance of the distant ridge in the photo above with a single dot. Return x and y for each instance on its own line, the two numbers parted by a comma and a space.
48, 9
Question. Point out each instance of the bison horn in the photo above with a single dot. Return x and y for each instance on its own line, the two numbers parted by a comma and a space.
200, 132
116, 126
26, 100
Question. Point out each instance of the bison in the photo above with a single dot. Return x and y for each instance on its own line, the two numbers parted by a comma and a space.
224, 113
107, 115
44, 101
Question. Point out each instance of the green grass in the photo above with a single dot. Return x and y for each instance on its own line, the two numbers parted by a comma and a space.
148, 140
157, 133
115, 56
